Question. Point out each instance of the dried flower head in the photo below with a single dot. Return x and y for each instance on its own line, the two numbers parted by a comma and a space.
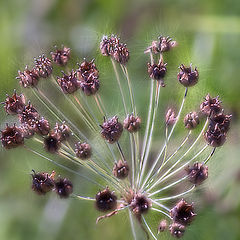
63, 187
121, 169
14, 104
42, 182
182, 213
43, 66
140, 204
191, 120
107, 45
222, 121
162, 225
12, 137
28, 78
211, 105
121, 53
188, 76
61, 56
177, 230
111, 129
106, 200
157, 71
197, 173
42, 126
61, 131
83, 150
68, 83
52, 143
215, 137
29, 116
170, 117
131, 123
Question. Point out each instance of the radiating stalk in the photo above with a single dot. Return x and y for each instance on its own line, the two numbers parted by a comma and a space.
149, 229
160, 211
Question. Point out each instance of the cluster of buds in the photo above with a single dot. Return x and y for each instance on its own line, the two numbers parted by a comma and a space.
111, 46
42, 183
219, 122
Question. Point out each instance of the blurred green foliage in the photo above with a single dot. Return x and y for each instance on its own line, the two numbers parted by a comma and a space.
208, 33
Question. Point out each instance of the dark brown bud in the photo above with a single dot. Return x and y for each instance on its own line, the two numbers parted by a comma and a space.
61, 56
12, 137
43, 66
106, 200
197, 173
29, 116
121, 53
131, 123
61, 131
214, 136
87, 75
68, 83
121, 169
163, 44
182, 213
63, 187
157, 71
42, 126
140, 204
191, 120
170, 117
222, 121
211, 106
111, 129
28, 78
187, 76
14, 104
177, 230
162, 226
83, 150
52, 143
42, 182
107, 45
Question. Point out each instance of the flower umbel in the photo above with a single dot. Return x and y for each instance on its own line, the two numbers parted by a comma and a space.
118, 148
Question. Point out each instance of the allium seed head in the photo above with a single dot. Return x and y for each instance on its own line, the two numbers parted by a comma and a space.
43, 66
61, 56
63, 187
211, 105
191, 120
83, 150
15, 104
68, 83
28, 78
162, 225
121, 169
170, 117
197, 173
131, 123
61, 131
42, 126
140, 204
177, 230
106, 200
157, 71
188, 76
222, 121
52, 143
214, 136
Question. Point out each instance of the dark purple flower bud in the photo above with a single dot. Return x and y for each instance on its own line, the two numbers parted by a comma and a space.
157, 71
177, 230
111, 129
140, 204
42, 126
52, 143
83, 150
106, 200
43, 66
12, 137
42, 182
191, 120
131, 123
121, 169
14, 104
214, 136
68, 83
162, 226
170, 117
61, 56
28, 78
121, 53
61, 131
211, 106
197, 173
63, 187
222, 121
182, 213
187, 76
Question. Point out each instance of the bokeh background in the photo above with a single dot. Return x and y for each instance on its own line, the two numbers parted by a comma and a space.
208, 33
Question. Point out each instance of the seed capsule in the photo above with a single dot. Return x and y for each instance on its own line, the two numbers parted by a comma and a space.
214, 136
28, 78
121, 53
42, 126
61, 131
106, 200
68, 83
12, 137
157, 71
197, 173
187, 76
162, 226
121, 169
83, 150
43, 66
14, 104
63, 187
222, 121
131, 123
140, 204
177, 230
107, 45
170, 117
182, 213
211, 106
52, 143
42, 182
61, 56
191, 120
112, 129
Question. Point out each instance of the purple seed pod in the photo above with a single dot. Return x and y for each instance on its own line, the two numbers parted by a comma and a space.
188, 76
63, 187
43, 66
197, 173
121, 169
177, 230
132, 123
28, 78
211, 106
191, 120
61, 56
83, 150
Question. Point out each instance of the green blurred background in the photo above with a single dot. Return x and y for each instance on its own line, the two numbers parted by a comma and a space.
208, 33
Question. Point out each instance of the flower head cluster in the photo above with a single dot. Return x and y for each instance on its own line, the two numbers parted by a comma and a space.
118, 148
